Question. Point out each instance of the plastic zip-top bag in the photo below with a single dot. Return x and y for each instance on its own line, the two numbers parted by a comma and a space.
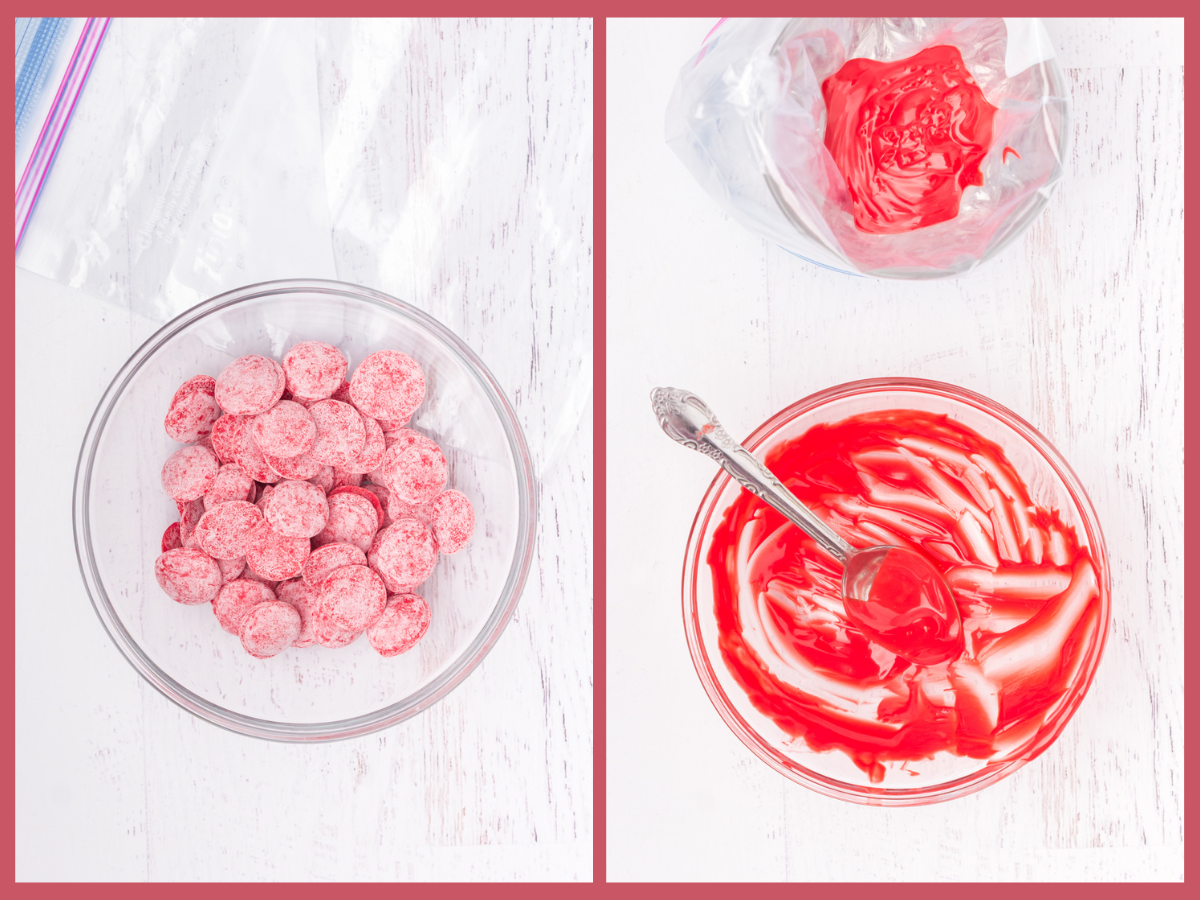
192, 165
750, 119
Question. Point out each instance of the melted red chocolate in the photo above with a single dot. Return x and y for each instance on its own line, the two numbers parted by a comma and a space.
1026, 592
908, 136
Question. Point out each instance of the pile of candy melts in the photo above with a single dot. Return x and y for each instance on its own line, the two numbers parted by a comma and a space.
308, 511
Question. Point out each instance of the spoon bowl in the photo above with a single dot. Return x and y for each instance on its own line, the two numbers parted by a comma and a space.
896, 596
901, 602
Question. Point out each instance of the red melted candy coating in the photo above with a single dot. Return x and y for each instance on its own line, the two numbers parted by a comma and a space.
908, 136
1026, 591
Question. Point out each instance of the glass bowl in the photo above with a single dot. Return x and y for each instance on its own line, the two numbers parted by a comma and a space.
1051, 483
315, 693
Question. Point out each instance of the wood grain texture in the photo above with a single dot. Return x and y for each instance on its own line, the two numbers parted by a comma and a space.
1077, 327
457, 158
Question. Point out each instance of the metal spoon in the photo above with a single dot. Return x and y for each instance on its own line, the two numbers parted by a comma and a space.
893, 594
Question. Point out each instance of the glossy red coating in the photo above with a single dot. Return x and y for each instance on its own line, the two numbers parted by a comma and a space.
1025, 588
908, 137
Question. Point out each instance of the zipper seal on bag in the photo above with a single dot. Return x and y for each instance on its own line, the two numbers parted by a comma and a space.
48, 141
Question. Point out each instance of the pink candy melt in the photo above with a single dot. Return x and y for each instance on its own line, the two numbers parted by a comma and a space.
452, 520
402, 624
188, 576
314, 370
188, 473
388, 385
308, 511
269, 628
250, 385
285, 430
238, 597
322, 561
194, 410
340, 433
297, 509
352, 520
352, 598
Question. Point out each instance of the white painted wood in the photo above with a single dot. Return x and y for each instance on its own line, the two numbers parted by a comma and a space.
457, 158
1078, 327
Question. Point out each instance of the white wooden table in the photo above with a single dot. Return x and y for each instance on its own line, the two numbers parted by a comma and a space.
1078, 327
457, 159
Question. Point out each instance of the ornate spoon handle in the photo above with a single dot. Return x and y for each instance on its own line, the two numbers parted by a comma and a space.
688, 420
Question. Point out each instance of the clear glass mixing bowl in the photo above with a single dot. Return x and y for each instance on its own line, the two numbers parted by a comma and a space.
315, 693
1052, 484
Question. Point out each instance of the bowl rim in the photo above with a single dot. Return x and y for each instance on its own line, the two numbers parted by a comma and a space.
704, 666
341, 729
